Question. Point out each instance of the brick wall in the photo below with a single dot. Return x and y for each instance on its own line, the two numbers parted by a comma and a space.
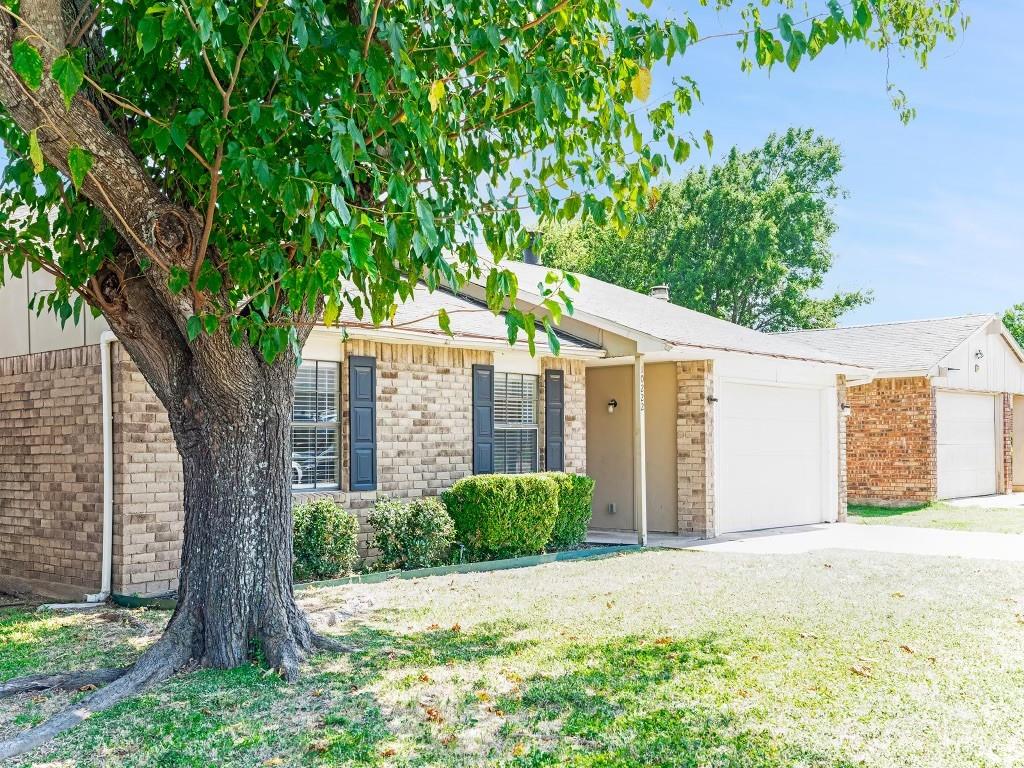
1006, 474
575, 394
149, 511
891, 443
695, 440
51, 473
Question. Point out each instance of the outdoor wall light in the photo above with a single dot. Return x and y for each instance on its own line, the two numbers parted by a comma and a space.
978, 355
612, 405
712, 399
846, 408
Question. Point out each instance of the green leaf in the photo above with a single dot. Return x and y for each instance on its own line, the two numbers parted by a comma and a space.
69, 74
641, 84
436, 95
554, 343
709, 141
27, 63
193, 327
331, 311
35, 152
79, 163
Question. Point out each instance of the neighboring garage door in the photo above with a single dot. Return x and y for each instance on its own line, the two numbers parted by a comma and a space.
966, 435
770, 457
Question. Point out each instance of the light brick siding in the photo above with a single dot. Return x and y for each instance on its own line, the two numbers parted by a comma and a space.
51, 459
841, 399
695, 442
891, 442
575, 396
149, 511
1006, 466
51, 473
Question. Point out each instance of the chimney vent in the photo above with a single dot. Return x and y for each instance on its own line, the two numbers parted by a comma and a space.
659, 292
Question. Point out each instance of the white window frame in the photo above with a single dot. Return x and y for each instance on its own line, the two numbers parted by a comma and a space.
507, 427
335, 426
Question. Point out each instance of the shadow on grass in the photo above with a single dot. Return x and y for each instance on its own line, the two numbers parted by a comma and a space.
860, 510
636, 702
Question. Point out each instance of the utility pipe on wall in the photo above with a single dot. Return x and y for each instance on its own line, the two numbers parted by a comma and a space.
106, 339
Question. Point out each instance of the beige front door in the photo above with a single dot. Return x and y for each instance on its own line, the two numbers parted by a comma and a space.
610, 445
662, 452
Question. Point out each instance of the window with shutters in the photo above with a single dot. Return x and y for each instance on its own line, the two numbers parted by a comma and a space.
515, 423
315, 426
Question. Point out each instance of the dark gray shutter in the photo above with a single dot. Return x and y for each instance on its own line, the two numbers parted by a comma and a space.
362, 409
483, 419
554, 421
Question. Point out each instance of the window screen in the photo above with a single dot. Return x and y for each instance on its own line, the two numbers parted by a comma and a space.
315, 426
515, 423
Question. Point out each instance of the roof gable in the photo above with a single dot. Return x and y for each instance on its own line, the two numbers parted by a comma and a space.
903, 347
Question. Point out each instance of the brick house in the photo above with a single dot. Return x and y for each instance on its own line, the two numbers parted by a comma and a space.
690, 425
944, 417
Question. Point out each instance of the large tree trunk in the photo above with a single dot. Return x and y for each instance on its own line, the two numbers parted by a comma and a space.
236, 566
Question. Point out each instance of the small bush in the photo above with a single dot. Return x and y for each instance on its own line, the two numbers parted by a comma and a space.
575, 497
415, 534
325, 544
502, 515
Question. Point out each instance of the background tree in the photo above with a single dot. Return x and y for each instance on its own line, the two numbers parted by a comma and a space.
747, 240
214, 178
1013, 319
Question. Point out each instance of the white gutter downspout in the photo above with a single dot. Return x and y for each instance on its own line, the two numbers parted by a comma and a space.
106, 339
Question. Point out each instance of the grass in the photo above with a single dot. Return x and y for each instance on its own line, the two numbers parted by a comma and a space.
939, 515
663, 658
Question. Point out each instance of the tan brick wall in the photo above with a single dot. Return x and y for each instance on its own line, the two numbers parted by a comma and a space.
695, 439
575, 383
841, 399
891, 453
51, 473
149, 511
1006, 475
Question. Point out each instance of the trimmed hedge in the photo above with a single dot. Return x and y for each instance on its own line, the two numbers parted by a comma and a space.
575, 497
326, 540
498, 516
414, 534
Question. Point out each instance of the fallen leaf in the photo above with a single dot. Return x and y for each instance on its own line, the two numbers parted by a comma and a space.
663, 641
448, 739
274, 761
424, 678
861, 670
320, 745
907, 649
512, 677
898, 595
807, 636
434, 715
316, 692
88, 687
389, 752
828, 565
456, 628
433, 627
483, 696
519, 750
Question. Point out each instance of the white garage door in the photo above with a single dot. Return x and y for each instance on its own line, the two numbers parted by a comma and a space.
771, 457
966, 433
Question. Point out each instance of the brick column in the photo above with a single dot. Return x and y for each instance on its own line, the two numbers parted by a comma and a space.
841, 400
695, 447
1006, 474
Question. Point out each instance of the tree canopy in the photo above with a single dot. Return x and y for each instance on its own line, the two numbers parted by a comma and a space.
747, 240
337, 152
1013, 319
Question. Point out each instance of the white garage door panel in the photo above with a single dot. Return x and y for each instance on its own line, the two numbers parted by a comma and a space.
770, 457
966, 436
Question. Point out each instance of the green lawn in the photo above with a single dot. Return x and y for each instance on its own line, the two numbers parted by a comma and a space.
996, 520
665, 658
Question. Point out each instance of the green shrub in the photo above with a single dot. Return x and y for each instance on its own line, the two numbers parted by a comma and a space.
415, 534
502, 515
325, 544
575, 496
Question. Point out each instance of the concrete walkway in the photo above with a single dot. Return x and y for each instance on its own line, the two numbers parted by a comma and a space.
867, 538
999, 501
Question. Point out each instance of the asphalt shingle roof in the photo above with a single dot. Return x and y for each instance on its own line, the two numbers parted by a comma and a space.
914, 345
470, 319
677, 326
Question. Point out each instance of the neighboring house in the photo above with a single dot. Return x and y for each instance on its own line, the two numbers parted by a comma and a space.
688, 424
939, 420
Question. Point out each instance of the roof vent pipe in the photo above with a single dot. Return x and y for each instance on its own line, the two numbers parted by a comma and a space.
659, 292
529, 253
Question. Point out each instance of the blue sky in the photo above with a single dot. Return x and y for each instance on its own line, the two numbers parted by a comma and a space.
934, 221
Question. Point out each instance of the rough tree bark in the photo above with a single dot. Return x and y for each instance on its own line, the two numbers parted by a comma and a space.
228, 408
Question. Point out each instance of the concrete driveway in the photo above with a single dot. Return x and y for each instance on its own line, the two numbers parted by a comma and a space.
868, 538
